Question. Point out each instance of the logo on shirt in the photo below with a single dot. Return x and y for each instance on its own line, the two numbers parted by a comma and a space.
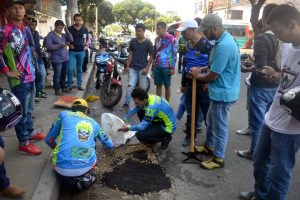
17, 43
288, 78
84, 130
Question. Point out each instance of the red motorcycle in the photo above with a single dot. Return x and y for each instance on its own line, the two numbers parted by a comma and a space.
108, 78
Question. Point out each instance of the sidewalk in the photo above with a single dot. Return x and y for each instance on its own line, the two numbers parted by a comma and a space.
34, 172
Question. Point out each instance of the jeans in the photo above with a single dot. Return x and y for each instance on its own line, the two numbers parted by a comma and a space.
41, 74
260, 102
217, 127
154, 132
76, 59
274, 160
25, 92
202, 103
60, 74
4, 180
135, 76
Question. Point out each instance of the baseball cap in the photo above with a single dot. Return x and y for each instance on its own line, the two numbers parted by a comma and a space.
187, 24
12, 2
208, 21
80, 104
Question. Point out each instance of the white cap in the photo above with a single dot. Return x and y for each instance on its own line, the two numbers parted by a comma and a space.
187, 24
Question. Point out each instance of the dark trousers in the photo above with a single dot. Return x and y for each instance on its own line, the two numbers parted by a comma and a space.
202, 101
180, 61
4, 180
60, 75
154, 132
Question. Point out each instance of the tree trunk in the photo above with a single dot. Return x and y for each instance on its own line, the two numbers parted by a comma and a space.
72, 9
256, 6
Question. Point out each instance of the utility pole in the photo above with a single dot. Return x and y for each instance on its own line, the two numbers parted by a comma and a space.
96, 21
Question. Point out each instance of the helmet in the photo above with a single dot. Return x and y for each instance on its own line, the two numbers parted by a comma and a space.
10, 110
290, 101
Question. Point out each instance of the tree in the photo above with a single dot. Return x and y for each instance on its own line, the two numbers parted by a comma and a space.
131, 12
256, 6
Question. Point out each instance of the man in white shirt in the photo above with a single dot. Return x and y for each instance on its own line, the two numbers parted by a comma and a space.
275, 152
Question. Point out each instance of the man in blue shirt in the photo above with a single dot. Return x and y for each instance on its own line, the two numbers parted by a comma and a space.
223, 77
74, 154
158, 120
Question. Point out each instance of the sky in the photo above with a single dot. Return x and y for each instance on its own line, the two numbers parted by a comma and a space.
184, 8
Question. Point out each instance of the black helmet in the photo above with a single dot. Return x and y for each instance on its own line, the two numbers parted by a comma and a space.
10, 110
290, 101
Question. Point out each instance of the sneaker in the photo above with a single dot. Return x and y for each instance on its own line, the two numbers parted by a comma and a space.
40, 95
37, 137
125, 107
166, 141
244, 131
213, 163
186, 142
66, 90
43, 92
203, 149
248, 196
80, 88
13, 192
245, 154
30, 149
58, 92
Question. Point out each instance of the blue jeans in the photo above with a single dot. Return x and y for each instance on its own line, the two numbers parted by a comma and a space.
217, 126
260, 102
135, 76
4, 180
202, 104
25, 92
274, 160
41, 74
60, 75
76, 59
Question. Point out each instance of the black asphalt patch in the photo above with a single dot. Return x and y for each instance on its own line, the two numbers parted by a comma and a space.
137, 176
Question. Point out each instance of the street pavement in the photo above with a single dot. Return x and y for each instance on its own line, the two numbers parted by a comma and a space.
29, 171
189, 181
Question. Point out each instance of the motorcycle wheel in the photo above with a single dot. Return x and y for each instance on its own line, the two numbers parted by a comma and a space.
110, 99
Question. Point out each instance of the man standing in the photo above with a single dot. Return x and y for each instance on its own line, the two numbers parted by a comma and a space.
165, 59
16, 63
138, 63
261, 91
40, 78
223, 77
74, 154
158, 121
196, 55
77, 51
275, 153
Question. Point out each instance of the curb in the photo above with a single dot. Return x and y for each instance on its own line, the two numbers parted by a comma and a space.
47, 187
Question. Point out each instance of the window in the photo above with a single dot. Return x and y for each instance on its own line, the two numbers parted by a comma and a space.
235, 14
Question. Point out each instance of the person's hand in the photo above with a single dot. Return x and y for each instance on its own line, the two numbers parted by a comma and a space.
14, 74
63, 45
194, 72
124, 128
270, 74
71, 46
145, 71
182, 89
127, 68
171, 73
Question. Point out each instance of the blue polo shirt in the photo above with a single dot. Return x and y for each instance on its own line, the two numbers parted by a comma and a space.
225, 61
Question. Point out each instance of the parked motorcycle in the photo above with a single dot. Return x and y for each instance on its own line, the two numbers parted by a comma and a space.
108, 78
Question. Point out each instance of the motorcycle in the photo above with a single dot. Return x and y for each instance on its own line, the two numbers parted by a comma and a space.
108, 78
121, 55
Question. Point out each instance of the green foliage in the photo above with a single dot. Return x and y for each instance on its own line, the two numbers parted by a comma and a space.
88, 11
131, 12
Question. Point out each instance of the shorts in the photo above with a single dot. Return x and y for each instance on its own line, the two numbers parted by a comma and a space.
162, 76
